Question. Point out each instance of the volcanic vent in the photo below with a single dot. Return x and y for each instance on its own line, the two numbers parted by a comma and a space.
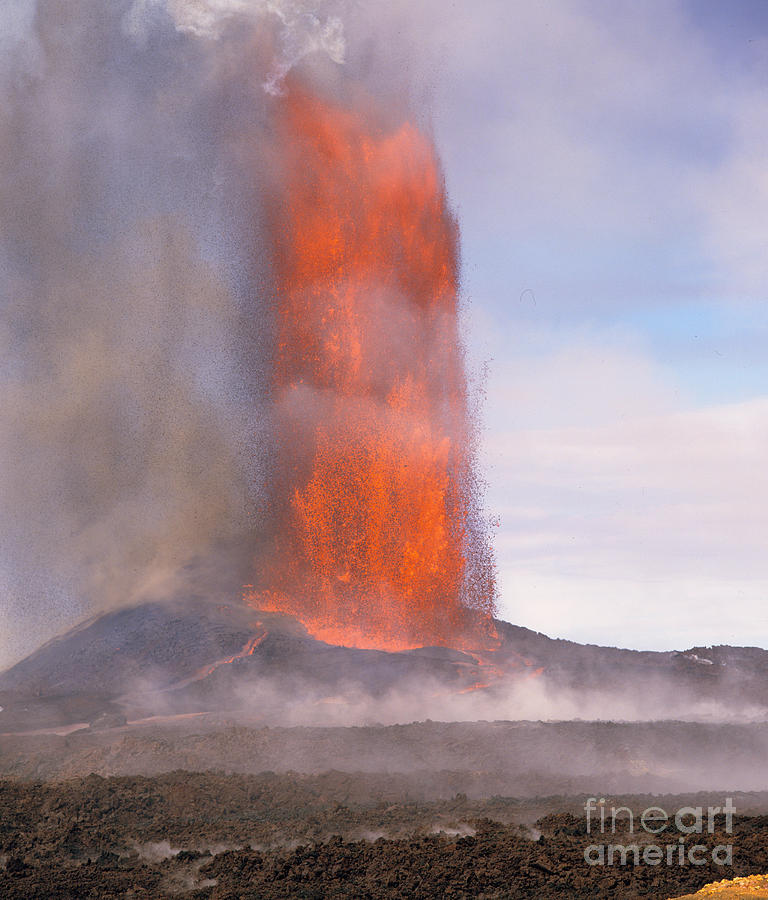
379, 541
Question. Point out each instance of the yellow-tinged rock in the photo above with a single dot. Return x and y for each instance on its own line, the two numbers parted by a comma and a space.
747, 887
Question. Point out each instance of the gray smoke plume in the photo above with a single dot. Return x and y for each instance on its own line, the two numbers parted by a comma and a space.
132, 328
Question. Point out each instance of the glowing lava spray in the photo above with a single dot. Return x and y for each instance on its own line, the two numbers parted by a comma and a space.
379, 541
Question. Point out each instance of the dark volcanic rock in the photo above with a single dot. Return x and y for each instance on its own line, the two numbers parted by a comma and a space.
224, 837
162, 642
721, 673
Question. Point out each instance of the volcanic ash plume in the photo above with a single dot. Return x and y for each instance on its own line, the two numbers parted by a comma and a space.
229, 335
378, 537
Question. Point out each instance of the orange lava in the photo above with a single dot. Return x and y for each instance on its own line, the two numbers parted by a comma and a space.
248, 650
379, 542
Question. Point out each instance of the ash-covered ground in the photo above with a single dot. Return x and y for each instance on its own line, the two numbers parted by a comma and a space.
211, 750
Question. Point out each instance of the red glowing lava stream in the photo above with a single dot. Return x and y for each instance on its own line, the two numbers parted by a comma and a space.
379, 540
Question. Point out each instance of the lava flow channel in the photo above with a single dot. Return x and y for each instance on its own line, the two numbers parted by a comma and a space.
379, 540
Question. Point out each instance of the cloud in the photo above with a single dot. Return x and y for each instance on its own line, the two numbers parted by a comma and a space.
626, 517
603, 154
562, 101
574, 383
733, 198
641, 613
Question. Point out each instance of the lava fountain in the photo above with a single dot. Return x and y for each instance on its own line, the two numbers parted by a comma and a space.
379, 539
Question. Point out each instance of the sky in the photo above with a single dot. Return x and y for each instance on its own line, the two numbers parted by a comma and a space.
607, 163
607, 160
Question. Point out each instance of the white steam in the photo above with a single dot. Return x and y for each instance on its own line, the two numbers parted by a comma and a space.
302, 30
